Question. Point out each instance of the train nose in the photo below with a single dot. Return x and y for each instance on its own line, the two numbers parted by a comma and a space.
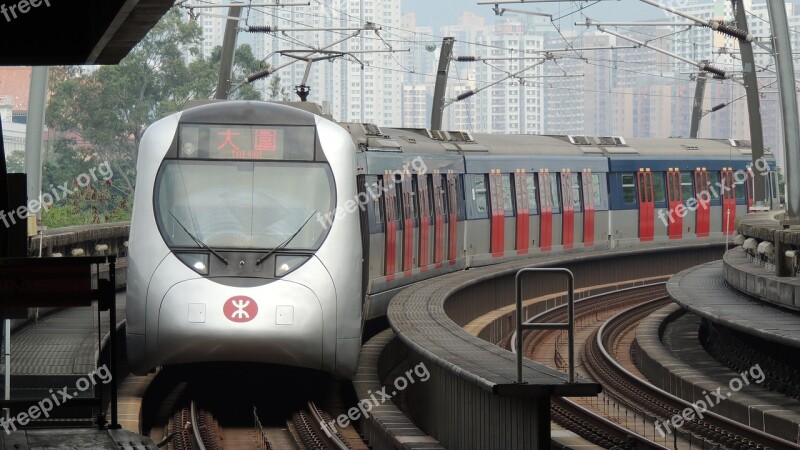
279, 323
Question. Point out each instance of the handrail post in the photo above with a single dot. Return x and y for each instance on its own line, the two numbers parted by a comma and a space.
569, 325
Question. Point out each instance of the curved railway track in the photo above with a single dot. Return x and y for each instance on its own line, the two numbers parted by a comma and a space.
606, 358
711, 429
570, 414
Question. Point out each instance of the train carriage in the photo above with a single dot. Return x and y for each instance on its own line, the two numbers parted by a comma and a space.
266, 233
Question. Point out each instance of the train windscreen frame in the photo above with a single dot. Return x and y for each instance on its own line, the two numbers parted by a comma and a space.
246, 142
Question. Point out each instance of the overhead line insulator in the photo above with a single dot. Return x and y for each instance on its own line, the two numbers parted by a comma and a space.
259, 75
711, 69
466, 58
464, 95
718, 107
261, 29
730, 30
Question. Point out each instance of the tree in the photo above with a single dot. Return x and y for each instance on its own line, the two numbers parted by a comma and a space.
244, 64
102, 114
15, 162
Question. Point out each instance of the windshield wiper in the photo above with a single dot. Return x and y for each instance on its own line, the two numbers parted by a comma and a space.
198, 241
286, 242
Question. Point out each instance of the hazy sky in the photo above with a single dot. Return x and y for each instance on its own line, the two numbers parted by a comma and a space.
436, 13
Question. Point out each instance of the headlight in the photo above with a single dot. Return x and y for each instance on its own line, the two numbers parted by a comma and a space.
285, 264
197, 261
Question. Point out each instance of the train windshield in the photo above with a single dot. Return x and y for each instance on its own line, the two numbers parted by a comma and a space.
243, 204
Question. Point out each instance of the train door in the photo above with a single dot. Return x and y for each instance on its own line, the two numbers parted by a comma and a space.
452, 220
423, 196
703, 199
546, 216
588, 208
675, 227
646, 205
409, 214
523, 211
498, 212
728, 201
567, 210
748, 185
440, 212
390, 206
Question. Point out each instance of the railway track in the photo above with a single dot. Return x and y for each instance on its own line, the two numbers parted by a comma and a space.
192, 411
606, 324
194, 428
712, 429
576, 415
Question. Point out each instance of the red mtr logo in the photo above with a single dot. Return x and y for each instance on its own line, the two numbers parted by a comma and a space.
240, 309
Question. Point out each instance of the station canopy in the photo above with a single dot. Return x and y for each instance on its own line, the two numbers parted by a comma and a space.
66, 32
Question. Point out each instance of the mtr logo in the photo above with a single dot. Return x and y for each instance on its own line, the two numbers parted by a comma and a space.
240, 309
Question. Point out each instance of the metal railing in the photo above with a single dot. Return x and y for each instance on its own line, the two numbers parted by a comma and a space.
569, 325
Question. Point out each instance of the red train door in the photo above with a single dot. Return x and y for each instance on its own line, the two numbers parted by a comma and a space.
408, 225
567, 210
424, 221
588, 208
438, 224
452, 208
523, 211
646, 205
546, 213
390, 207
728, 201
703, 199
498, 212
675, 222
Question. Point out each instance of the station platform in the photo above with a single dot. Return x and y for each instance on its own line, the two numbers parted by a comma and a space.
704, 291
670, 355
57, 350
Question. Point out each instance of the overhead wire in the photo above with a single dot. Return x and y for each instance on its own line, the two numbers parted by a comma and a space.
398, 38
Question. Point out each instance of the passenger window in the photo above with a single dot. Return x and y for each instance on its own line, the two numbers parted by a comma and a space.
375, 189
508, 200
531, 182
414, 200
659, 193
773, 182
459, 193
739, 188
686, 186
628, 189
555, 190
479, 194
596, 188
445, 205
713, 179
398, 199
576, 192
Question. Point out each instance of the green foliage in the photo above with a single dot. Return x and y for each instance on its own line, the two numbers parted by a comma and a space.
15, 162
101, 115
244, 65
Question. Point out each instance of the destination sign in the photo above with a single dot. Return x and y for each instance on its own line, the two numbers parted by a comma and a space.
210, 141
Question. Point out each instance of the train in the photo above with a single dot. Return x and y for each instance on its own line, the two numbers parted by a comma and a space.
266, 232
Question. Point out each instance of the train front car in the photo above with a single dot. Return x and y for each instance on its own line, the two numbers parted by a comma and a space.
236, 253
